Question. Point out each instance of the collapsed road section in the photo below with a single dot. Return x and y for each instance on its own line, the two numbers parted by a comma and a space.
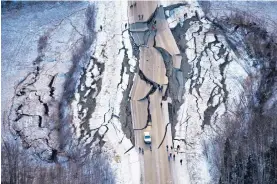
149, 100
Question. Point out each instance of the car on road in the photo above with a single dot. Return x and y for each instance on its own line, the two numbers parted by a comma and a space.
147, 138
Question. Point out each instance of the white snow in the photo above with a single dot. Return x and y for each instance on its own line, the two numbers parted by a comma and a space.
22, 32
107, 45
191, 113
261, 11
175, 16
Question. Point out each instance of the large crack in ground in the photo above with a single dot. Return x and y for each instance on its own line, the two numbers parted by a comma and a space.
30, 92
164, 135
125, 115
21, 100
173, 86
125, 109
89, 93
210, 110
80, 57
45, 105
149, 119
50, 85
198, 75
196, 83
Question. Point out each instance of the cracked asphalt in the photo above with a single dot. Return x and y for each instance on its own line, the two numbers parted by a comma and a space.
149, 103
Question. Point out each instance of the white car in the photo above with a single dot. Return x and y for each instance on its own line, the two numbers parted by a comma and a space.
147, 138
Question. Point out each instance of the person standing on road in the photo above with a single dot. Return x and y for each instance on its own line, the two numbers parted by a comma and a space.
150, 148
168, 158
171, 147
181, 161
142, 151
174, 157
170, 154
139, 149
166, 147
160, 88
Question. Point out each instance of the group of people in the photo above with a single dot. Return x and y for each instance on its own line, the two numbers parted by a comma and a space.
133, 5
141, 150
170, 154
140, 17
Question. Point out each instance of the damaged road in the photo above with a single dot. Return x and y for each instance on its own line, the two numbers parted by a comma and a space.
149, 95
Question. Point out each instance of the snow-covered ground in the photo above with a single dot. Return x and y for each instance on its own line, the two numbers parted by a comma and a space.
108, 50
263, 11
36, 56
21, 31
111, 93
212, 87
63, 26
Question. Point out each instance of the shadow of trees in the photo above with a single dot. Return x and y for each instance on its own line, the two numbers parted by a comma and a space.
246, 151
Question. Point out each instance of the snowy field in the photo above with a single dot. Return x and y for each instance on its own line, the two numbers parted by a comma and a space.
21, 31
40, 42
104, 118
211, 88
263, 11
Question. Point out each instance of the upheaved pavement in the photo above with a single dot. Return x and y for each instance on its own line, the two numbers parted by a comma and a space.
149, 88
140, 88
152, 65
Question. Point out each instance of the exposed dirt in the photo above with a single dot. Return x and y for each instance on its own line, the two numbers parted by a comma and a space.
173, 85
125, 115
